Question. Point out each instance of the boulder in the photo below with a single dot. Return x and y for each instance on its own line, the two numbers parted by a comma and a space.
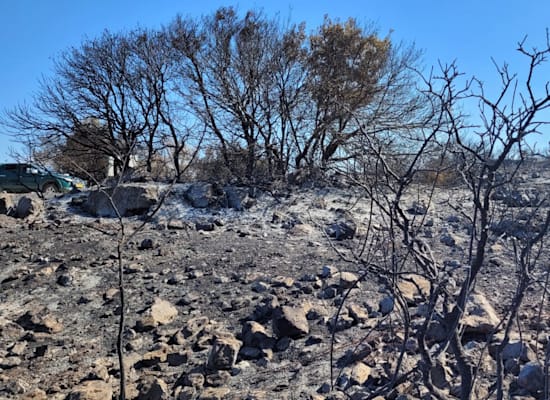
161, 312
358, 373
414, 288
480, 316
346, 280
223, 352
152, 388
531, 377
255, 335
203, 195
29, 205
7, 204
358, 313
233, 198
290, 321
128, 199
518, 350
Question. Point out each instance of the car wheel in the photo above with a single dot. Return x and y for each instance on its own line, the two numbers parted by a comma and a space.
49, 190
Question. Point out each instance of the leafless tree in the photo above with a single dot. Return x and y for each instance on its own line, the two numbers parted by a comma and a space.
489, 154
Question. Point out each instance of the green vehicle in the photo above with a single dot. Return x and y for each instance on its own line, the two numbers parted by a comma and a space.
24, 178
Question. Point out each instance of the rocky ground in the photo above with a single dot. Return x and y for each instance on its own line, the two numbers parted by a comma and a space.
237, 303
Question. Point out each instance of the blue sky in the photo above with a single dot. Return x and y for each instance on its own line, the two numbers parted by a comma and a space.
34, 32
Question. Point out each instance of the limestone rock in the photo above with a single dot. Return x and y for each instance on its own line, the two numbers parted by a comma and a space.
214, 393
36, 394
194, 379
91, 390
413, 288
203, 195
346, 280
127, 198
153, 388
154, 357
480, 316
224, 351
163, 312
358, 313
358, 373
7, 204
255, 335
291, 322
40, 321
282, 281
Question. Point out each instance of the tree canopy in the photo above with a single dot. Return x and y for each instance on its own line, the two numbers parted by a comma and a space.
265, 96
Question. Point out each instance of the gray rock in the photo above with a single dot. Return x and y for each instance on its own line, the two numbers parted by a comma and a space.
518, 350
185, 393
531, 377
128, 200
205, 226
386, 305
259, 286
518, 198
342, 230
204, 194
447, 239
223, 352
234, 200
329, 293
29, 205
146, 244
201, 194
343, 322
255, 335
436, 332
64, 280
417, 209
250, 353
328, 271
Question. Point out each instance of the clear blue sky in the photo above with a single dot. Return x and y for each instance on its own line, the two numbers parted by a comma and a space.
33, 32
